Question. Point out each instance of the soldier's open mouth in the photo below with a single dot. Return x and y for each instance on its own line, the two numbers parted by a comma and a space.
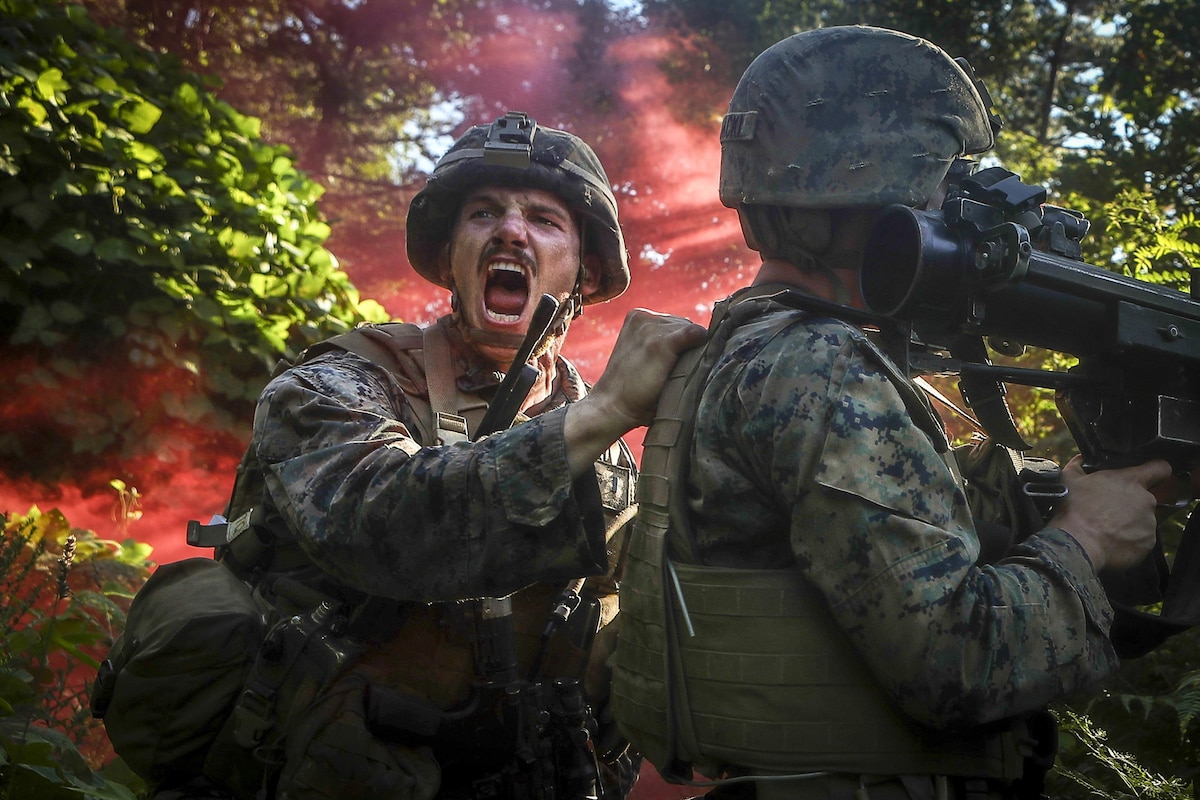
506, 292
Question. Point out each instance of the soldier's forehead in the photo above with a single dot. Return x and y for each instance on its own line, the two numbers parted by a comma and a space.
529, 195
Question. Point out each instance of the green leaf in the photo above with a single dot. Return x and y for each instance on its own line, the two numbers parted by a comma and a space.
36, 111
188, 98
66, 312
145, 153
33, 322
241, 245
268, 286
115, 250
74, 240
51, 82
34, 213
19, 255
140, 116
322, 258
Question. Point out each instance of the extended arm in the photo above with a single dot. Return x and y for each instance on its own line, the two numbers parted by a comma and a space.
381, 512
384, 513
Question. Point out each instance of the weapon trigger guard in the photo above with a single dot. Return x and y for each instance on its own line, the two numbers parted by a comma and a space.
1047, 491
1185, 497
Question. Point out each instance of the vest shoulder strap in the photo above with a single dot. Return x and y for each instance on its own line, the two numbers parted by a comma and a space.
380, 344
388, 345
397, 347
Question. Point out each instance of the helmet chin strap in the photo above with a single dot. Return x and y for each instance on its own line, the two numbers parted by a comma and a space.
478, 336
841, 293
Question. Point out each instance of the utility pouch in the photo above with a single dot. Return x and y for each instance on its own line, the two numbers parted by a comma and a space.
1006, 492
300, 656
171, 679
331, 754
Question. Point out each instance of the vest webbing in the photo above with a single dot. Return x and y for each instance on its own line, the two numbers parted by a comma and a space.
387, 345
719, 668
427, 655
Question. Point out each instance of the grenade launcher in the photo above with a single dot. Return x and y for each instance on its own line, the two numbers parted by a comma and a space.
997, 263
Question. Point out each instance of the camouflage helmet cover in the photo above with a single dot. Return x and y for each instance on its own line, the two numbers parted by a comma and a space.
516, 151
850, 116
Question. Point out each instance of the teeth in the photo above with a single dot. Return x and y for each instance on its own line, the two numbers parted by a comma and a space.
505, 266
514, 269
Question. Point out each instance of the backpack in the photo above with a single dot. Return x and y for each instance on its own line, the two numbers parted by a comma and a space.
171, 680
172, 676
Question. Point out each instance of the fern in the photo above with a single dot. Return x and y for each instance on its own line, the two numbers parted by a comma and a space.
1153, 246
63, 585
1187, 701
1136, 780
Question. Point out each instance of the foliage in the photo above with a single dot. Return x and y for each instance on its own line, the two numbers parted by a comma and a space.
1148, 712
128, 188
1106, 85
1149, 709
1111, 773
141, 216
350, 83
67, 592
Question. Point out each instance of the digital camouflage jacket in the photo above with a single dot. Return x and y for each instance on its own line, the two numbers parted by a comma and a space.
805, 456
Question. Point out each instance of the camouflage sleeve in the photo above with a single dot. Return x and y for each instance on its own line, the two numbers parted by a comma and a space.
384, 514
879, 522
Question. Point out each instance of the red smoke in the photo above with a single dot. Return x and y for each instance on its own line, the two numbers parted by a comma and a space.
685, 252
685, 248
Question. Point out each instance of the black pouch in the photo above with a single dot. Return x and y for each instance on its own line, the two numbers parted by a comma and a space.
171, 679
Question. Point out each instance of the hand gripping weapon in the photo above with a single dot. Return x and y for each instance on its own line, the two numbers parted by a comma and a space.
997, 263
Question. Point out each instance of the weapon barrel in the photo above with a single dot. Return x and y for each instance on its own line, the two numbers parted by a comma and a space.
919, 269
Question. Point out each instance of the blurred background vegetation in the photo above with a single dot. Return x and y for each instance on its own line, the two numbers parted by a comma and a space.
177, 176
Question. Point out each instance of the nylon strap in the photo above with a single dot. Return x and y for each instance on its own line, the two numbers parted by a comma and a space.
448, 426
1135, 632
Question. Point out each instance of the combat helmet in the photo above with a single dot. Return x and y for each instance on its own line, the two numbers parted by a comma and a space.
807, 130
516, 151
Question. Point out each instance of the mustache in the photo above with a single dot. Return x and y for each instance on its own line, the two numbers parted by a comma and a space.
518, 255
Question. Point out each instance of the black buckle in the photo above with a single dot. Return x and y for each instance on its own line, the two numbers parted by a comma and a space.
510, 141
254, 715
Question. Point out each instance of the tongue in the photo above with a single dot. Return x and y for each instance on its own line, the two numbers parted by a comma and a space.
504, 301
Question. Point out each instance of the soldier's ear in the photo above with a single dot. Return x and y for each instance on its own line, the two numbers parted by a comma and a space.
443, 265
591, 271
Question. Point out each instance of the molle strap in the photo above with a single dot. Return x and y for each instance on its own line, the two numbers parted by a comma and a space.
448, 426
